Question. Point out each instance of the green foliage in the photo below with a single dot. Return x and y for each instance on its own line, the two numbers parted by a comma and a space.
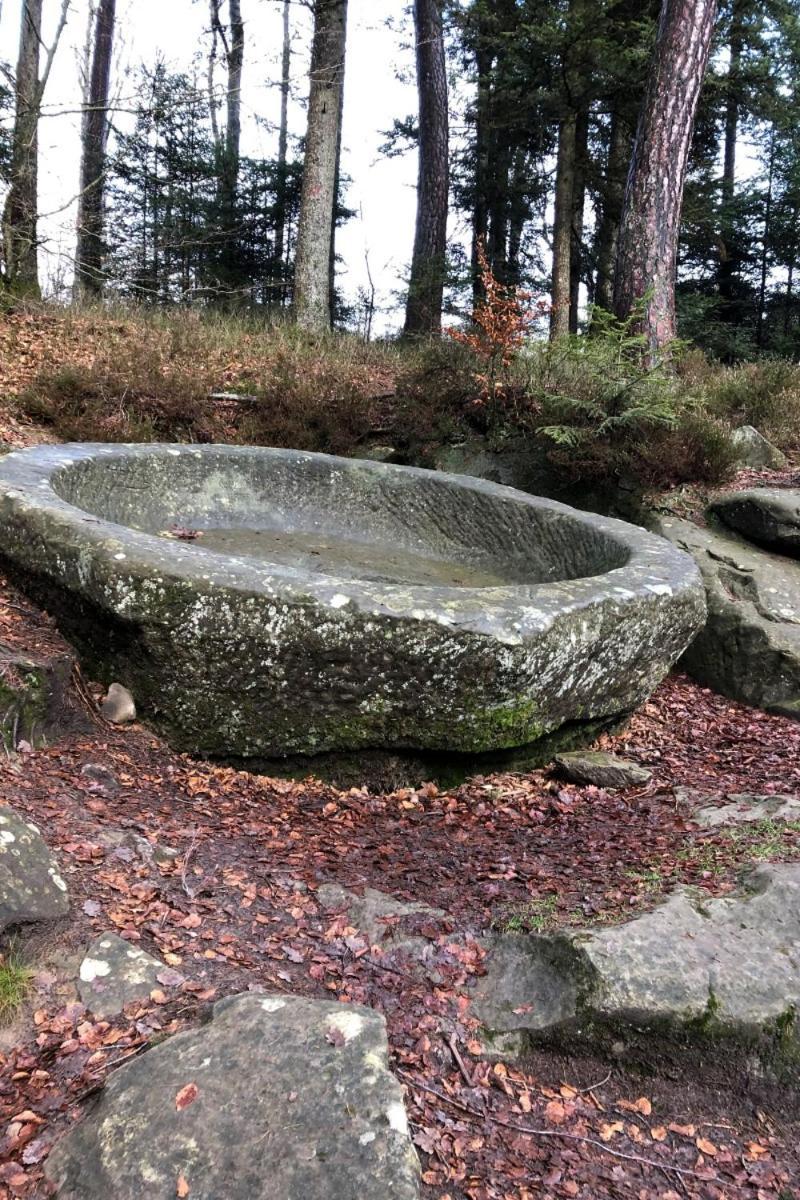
611, 418
764, 394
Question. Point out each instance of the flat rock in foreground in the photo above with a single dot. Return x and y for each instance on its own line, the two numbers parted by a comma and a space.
730, 965
31, 888
277, 1098
749, 648
600, 769
114, 973
769, 516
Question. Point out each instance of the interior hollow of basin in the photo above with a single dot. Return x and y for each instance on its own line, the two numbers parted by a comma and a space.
339, 518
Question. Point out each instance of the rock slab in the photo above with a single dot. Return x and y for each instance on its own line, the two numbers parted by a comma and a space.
115, 973
749, 648
731, 963
600, 769
31, 888
277, 1098
769, 516
755, 451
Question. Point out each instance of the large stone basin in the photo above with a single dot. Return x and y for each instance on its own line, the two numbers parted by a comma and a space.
334, 605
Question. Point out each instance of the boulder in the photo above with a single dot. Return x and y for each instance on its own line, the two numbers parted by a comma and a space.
114, 973
339, 605
34, 697
118, 706
31, 888
749, 648
276, 1098
602, 770
769, 516
755, 451
726, 965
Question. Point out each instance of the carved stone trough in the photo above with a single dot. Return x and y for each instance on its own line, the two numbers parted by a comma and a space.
265, 603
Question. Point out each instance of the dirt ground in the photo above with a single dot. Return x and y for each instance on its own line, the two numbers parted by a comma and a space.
234, 906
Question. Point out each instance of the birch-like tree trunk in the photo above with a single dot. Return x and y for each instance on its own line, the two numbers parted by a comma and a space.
312, 307
20, 214
20, 250
562, 225
426, 286
648, 236
90, 241
283, 148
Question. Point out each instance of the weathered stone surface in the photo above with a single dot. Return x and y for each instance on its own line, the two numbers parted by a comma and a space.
770, 516
31, 888
34, 701
750, 646
114, 973
755, 451
728, 964
382, 919
739, 808
294, 1102
335, 604
602, 770
118, 705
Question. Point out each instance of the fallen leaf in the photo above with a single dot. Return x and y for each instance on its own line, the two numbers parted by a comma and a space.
609, 1129
706, 1147
182, 1186
186, 1096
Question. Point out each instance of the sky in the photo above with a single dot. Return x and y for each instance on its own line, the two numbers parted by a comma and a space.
380, 85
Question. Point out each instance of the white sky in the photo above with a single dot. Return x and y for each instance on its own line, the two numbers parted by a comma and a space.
379, 87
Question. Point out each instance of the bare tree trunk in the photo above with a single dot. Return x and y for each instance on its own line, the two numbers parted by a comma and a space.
283, 146
228, 152
619, 155
89, 251
426, 287
726, 266
480, 209
314, 236
765, 244
648, 237
20, 253
578, 205
20, 232
562, 225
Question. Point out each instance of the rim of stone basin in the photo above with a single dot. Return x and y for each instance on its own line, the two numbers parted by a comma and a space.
511, 611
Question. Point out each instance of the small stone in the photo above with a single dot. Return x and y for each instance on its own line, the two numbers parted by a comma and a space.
755, 451
601, 770
744, 808
101, 776
114, 973
346, 1137
118, 707
31, 888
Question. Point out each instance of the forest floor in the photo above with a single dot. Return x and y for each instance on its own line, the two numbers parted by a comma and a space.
237, 909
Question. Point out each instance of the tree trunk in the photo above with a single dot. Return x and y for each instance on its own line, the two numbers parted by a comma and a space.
480, 212
648, 237
619, 155
426, 286
726, 265
765, 245
283, 147
20, 250
578, 204
89, 250
562, 225
314, 236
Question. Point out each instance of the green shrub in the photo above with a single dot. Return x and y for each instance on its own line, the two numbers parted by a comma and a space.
764, 394
15, 983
